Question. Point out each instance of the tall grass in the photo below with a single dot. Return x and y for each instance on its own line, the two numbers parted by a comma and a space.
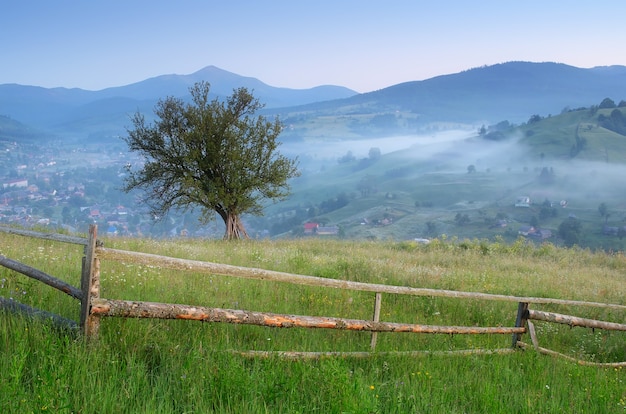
176, 366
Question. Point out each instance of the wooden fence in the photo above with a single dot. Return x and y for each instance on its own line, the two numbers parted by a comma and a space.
93, 307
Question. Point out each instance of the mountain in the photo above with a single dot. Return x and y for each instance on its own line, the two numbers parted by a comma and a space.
512, 91
82, 113
509, 91
12, 130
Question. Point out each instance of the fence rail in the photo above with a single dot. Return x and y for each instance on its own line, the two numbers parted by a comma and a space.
131, 309
93, 307
262, 274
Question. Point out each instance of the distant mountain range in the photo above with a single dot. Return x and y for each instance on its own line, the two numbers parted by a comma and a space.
509, 91
81, 113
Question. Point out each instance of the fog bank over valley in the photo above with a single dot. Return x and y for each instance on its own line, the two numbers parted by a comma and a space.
454, 182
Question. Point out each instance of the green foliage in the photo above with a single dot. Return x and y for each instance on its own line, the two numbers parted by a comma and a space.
461, 219
570, 230
607, 103
213, 154
615, 122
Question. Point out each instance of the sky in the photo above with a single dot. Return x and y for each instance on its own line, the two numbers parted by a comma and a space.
364, 45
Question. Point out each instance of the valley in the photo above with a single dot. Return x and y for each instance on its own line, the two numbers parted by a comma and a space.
373, 166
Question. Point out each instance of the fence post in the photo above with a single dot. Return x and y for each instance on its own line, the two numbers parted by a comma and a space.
520, 321
90, 286
377, 304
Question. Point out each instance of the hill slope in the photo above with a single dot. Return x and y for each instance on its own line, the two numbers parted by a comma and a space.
421, 189
509, 91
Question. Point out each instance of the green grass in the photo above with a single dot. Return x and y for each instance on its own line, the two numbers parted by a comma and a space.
178, 366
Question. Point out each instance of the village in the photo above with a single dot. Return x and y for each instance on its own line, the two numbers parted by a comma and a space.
48, 186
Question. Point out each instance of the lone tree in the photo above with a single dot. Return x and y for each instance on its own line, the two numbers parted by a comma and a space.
213, 154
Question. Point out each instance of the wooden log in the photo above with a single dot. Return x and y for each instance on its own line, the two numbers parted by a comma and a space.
262, 274
522, 316
295, 355
47, 236
41, 276
546, 351
132, 309
377, 304
575, 321
23, 309
90, 286
533, 334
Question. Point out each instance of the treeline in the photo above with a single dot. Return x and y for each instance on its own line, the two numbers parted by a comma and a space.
615, 122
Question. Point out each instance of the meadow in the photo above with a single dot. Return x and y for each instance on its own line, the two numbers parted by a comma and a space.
163, 366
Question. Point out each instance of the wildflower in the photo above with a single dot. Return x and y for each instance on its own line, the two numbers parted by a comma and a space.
371, 387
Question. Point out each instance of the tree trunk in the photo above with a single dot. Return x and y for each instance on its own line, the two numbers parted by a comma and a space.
234, 228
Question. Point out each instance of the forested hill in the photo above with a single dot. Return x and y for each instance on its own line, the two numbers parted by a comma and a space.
508, 91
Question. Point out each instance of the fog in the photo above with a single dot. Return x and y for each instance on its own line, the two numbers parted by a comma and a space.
325, 152
508, 161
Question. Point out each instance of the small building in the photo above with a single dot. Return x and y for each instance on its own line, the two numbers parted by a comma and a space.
541, 234
534, 233
526, 230
310, 228
17, 183
328, 230
523, 201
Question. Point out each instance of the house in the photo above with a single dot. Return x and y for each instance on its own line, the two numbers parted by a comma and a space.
526, 230
327, 230
499, 223
310, 228
523, 201
613, 231
16, 182
535, 233
541, 234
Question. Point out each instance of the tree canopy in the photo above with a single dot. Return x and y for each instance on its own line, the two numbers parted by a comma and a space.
217, 155
570, 230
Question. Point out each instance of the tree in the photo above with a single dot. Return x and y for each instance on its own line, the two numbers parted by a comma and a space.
367, 185
374, 154
431, 228
213, 154
569, 231
603, 210
461, 219
349, 157
607, 103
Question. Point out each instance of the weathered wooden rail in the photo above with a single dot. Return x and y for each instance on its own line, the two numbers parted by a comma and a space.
93, 307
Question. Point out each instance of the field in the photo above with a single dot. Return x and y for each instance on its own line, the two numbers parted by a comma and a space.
177, 366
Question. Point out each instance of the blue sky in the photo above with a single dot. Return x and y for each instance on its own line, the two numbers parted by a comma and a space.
364, 45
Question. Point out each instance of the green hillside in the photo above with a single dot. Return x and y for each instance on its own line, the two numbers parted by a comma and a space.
420, 191
576, 135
